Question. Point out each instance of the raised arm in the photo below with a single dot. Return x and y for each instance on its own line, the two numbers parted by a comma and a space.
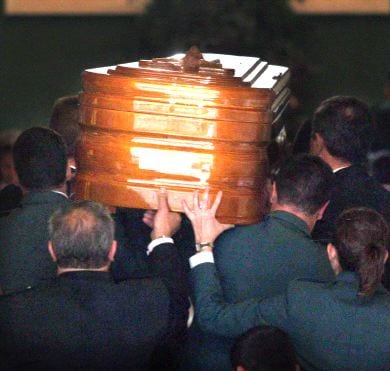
167, 264
213, 314
163, 254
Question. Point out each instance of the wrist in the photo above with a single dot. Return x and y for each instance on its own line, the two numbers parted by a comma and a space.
158, 241
204, 246
156, 234
154, 237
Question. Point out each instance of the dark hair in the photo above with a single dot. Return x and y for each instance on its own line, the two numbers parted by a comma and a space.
82, 235
304, 181
301, 143
65, 121
346, 126
361, 240
264, 348
40, 159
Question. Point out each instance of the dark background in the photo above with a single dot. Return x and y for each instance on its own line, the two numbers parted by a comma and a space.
42, 57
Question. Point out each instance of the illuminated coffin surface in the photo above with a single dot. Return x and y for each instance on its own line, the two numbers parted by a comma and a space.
157, 123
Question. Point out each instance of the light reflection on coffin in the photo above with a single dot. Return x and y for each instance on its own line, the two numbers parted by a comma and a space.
145, 127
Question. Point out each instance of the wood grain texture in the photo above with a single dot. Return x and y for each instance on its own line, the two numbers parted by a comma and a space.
145, 128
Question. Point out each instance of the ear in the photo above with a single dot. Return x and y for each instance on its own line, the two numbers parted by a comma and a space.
320, 212
70, 166
386, 256
317, 144
112, 252
333, 257
52, 251
274, 194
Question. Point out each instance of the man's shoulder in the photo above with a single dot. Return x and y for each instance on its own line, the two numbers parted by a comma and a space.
147, 290
147, 282
356, 178
318, 294
240, 232
22, 299
86, 312
34, 211
354, 188
308, 293
271, 243
240, 237
276, 230
301, 285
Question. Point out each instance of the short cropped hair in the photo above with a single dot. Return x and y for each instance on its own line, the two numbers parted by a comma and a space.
346, 126
82, 234
40, 159
361, 240
263, 348
304, 181
65, 121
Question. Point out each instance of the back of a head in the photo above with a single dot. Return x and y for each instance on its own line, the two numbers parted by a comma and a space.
82, 235
361, 240
346, 126
65, 121
263, 348
40, 159
305, 182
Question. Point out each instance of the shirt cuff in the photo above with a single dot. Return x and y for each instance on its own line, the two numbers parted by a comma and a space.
156, 242
200, 258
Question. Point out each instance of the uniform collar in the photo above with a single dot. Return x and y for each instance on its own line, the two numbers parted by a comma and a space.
35, 197
290, 219
61, 193
348, 278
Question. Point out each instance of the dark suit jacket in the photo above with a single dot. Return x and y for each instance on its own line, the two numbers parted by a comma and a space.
83, 320
331, 326
24, 258
257, 261
10, 197
353, 188
133, 236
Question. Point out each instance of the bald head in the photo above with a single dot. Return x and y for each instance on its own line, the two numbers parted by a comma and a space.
82, 234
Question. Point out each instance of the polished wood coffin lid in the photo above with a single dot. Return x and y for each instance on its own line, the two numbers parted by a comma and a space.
185, 122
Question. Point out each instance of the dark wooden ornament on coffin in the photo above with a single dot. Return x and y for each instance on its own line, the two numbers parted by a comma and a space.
183, 123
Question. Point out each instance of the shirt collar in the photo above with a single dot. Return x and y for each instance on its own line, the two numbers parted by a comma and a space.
61, 193
340, 168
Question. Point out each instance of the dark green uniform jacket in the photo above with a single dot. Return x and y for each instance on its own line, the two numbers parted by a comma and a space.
331, 325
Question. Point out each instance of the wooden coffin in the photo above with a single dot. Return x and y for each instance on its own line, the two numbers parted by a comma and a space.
185, 122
